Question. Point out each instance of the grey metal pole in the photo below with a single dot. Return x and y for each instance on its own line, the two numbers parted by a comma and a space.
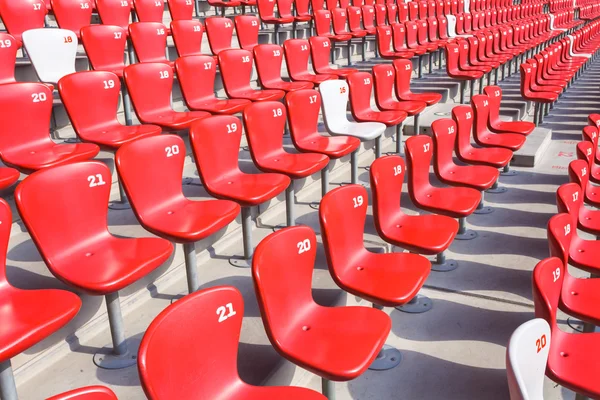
399, 139
462, 226
126, 105
472, 82
8, 387
328, 388
191, 270
289, 205
378, 147
481, 84
420, 67
325, 180
350, 52
462, 91
354, 167
416, 127
247, 232
115, 320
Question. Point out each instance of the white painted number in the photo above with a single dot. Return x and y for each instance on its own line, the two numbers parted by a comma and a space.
426, 147
277, 112
196, 28
556, 274
172, 150
207, 65
164, 74
303, 246
231, 128
228, 308
109, 84
276, 53
312, 99
567, 229
38, 97
37, 7
575, 196
358, 201
397, 170
96, 180
84, 6
118, 35
245, 59
160, 31
5, 43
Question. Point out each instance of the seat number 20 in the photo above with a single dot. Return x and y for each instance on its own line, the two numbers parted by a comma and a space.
303, 246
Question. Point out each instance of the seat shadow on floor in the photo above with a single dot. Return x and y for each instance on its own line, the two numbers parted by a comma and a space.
482, 277
496, 243
518, 195
525, 177
423, 377
450, 320
506, 217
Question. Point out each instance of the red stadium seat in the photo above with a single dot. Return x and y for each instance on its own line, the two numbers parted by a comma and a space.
219, 32
496, 125
269, 58
149, 41
87, 393
266, 12
386, 47
284, 9
222, 4
453, 70
579, 173
289, 311
87, 257
479, 177
236, 71
149, 10
181, 10
105, 46
297, 54
427, 234
29, 316
151, 173
483, 136
246, 29
571, 362
386, 280
403, 69
196, 76
187, 36
115, 12
72, 14
98, 91
320, 51
340, 21
265, 140
361, 86
8, 58
150, 87
384, 77
569, 200
168, 357
303, 109
455, 202
590, 134
215, 143
25, 143
21, 16
8, 176
323, 28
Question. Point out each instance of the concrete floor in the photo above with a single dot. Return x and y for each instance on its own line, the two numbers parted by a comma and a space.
455, 351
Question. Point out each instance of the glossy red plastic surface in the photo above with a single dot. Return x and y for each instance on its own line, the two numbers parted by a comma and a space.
72, 14
495, 124
150, 86
8, 58
104, 46
269, 58
85, 255
403, 69
181, 10
297, 54
483, 137
149, 10
151, 171
246, 28
25, 143
87, 393
149, 41
29, 315
384, 77
454, 202
187, 36
361, 86
337, 343
115, 12
323, 26
174, 364
215, 143
219, 32
425, 234
320, 51
21, 16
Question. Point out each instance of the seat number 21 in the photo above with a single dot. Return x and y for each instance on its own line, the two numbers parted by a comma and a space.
225, 312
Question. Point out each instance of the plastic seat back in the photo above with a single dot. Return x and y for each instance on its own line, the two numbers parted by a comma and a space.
548, 277
91, 99
569, 200
149, 41
283, 289
481, 112
384, 76
264, 139
340, 21
87, 393
151, 170
105, 46
269, 58
21, 16
354, 18
387, 178
360, 85
323, 22
79, 195
335, 102
236, 70
320, 50
196, 75
419, 150
149, 86
149, 10
174, 364
579, 173
444, 137
8, 58
399, 37
463, 116
342, 215
72, 14
181, 9
52, 52
219, 31
384, 40
302, 8
246, 28
187, 36
114, 12
216, 143
303, 107
368, 16
403, 71
297, 53
380, 15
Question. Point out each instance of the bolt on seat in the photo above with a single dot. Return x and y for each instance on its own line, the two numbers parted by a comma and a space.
236, 72
29, 316
151, 172
303, 109
305, 333
269, 58
455, 202
264, 125
196, 76
427, 234
87, 256
87, 393
215, 143
496, 125
384, 279
478, 177
181, 356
